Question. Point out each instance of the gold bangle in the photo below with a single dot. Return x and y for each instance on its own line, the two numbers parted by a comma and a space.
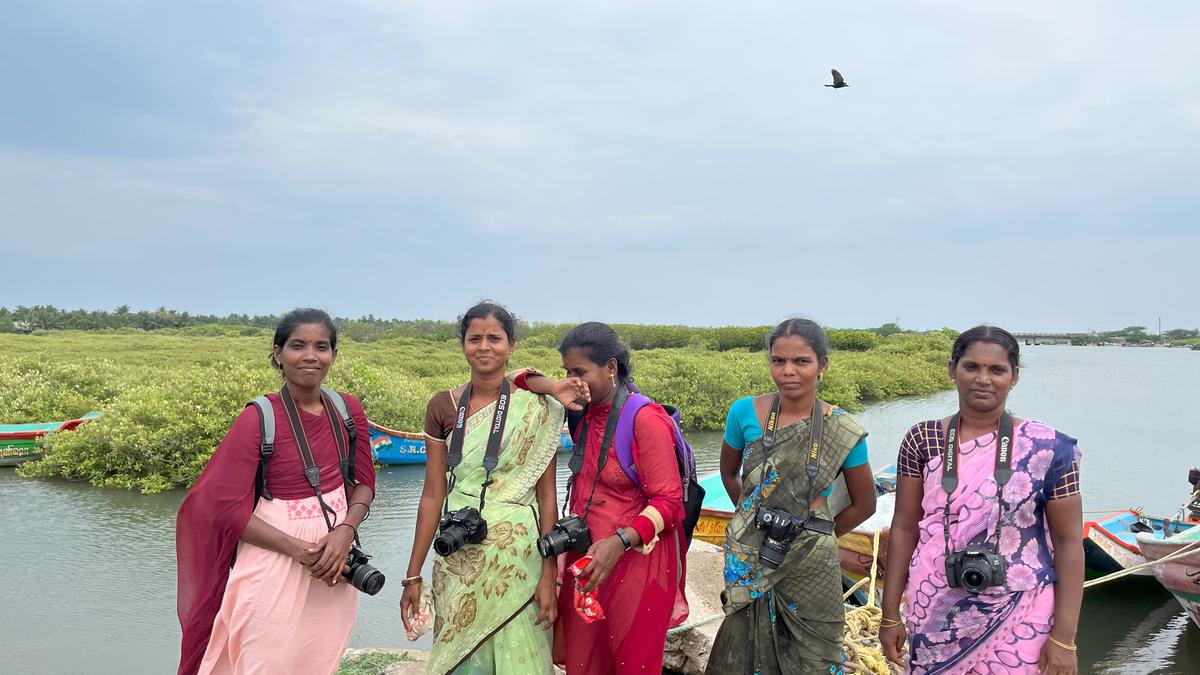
416, 579
1064, 645
889, 623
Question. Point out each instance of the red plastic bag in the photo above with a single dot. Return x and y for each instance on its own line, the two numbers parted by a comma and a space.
586, 604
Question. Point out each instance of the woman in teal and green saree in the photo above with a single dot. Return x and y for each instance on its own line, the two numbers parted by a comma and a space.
782, 452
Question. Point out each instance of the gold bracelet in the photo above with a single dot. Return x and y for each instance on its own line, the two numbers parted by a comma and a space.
415, 579
889, 623
1064, 645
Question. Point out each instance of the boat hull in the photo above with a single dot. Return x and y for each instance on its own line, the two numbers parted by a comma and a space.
14, 452
1180, 576
1112, 544
19, 442
399, 448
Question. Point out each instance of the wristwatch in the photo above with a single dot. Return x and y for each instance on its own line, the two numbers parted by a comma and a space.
624, 538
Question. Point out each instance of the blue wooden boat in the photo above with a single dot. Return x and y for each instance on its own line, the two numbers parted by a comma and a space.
1111, 544
392, 447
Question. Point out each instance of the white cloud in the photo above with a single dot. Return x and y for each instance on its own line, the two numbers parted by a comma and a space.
695, 136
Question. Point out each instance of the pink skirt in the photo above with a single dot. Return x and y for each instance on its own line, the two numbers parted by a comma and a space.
275, 619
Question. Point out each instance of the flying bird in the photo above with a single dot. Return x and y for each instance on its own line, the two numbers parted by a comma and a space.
838, 80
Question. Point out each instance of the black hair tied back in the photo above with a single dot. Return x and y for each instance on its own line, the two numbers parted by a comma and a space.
993, 334
483, 310
806, 329
599, 342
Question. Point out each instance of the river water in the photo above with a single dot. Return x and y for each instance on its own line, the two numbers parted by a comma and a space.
88, 575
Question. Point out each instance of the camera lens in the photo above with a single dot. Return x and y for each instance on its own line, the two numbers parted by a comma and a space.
367, 579
449, 540
552, 544
771, 554
973, 578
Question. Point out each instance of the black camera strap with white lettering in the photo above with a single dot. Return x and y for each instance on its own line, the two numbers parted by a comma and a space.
311, 471
576, 462
491, 456
1002, 470
815, 428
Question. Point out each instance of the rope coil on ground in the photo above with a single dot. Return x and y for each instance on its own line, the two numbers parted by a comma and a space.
860, 637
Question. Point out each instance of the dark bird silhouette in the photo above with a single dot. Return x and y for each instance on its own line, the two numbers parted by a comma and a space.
838, 80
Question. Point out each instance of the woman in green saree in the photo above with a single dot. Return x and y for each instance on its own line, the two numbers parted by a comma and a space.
782, 451
493, 596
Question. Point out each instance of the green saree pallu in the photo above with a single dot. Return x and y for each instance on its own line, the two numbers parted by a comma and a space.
786, 620
483, 593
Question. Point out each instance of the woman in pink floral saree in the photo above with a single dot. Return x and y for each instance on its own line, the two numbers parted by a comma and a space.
1020, 615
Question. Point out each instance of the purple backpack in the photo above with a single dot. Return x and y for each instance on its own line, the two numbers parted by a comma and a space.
693, 494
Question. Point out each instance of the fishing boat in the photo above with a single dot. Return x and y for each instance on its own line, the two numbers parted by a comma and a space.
1180, 574
856, 547
18, 442
392, 447
1115, 543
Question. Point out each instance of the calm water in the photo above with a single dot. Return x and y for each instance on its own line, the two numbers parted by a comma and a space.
88, 575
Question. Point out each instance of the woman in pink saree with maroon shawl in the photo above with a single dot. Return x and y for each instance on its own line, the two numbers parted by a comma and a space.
260, 588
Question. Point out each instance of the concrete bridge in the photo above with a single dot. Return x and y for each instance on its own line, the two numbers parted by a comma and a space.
1037, 338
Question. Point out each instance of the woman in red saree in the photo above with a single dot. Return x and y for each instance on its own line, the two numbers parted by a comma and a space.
639, 549
260, 585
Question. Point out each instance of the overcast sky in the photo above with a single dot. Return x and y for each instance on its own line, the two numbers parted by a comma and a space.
1030, 164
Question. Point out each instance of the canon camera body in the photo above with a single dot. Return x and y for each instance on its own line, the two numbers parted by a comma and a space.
975, 568
568, 534
456, 528
364, 577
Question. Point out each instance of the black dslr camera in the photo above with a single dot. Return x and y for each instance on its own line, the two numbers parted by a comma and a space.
975, 568
568, 534
779, 530
464, 526
362, 576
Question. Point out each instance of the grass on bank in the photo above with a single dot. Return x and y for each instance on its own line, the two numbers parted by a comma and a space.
371, 662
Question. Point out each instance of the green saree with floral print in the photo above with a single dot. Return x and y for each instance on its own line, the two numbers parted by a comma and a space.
483, 593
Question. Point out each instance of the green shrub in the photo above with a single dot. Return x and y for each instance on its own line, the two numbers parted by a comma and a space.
850, 339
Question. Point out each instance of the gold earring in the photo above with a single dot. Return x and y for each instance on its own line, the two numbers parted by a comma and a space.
613, 377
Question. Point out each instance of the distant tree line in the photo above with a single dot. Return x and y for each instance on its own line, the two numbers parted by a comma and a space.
370, 328
1137, 335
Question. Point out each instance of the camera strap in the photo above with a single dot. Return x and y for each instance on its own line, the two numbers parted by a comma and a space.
815, 428
1002, 470
312, 472
491, 456
576, 462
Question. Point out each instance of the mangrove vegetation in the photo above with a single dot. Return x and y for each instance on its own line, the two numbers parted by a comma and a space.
169, 395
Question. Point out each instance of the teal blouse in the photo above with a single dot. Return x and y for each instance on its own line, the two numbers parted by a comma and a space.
742, 428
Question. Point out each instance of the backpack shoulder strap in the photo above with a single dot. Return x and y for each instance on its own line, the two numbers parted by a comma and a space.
623, 440
266, 447
339, 402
